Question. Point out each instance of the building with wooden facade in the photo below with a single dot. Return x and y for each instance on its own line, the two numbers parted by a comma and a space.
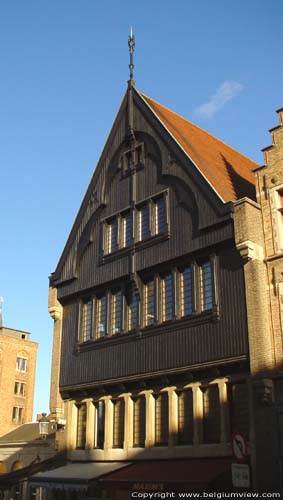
157, 360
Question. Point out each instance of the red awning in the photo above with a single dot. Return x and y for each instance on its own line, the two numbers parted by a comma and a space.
198, 473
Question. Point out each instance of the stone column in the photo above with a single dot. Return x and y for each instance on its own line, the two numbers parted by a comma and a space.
90, 414
128, 424
108, 439
173, 416
222, 388
71, 426
198, 414
55, 310
149, 419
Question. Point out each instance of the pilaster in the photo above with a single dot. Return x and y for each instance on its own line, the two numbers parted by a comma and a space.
90, 416
128, 432
198, 413
108, 440
150, 419
173, 416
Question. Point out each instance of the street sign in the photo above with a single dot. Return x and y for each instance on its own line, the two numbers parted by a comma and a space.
241, 475
239, 446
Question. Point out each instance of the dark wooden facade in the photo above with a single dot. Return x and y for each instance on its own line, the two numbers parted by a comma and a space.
198, 226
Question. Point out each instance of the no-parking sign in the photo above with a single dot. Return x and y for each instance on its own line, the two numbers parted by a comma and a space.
239, 446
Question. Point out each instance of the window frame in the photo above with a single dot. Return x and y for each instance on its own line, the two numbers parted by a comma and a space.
118, 423
19, 368
161, 426
99, 425
18, 411
183, 433
98, 311
116, 311
81, 431
146, 310
22, 385
83, 322
206, 420
202, 291
139, 421
150, 301
136, 237
165, 294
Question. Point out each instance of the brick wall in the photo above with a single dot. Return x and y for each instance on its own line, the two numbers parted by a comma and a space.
10, 348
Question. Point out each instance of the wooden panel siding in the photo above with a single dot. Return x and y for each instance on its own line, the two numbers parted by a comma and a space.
184, 239
159, 349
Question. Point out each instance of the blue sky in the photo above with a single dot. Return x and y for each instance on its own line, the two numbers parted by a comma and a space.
64, 68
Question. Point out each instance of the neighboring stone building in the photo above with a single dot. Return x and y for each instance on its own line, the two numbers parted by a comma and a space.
17, 378
259, 238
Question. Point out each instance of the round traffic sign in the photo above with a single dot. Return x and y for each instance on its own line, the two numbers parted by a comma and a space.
239, 446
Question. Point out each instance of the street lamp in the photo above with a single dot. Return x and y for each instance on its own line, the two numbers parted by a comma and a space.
43, 426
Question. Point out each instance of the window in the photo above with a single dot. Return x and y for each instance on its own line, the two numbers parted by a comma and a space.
211, 414
99, 424
186, 292
185, 416
143, 227
111, 236
118, 423
21, 364
139, 421
172, 295
159, 216
167, 293
126, 229
161, 419
149, 303
101, 316
206, 286
81, 426
132, 311
17, 415
19, 388
150, 220
239, 408
86, 321
116, 312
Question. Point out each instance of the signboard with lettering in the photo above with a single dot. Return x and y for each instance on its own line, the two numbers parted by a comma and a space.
241, 475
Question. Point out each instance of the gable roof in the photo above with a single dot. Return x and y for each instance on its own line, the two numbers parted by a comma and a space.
229, 172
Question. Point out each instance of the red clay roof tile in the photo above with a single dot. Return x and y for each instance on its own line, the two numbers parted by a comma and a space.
229, 172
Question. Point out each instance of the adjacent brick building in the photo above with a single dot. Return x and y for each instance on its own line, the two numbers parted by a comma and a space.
17, 378
259, 239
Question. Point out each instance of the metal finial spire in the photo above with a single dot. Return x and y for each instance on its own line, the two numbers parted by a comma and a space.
131, 45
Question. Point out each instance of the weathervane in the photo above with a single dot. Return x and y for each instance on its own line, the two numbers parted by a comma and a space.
131, 45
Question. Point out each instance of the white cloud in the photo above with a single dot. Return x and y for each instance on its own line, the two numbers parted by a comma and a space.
224, 93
